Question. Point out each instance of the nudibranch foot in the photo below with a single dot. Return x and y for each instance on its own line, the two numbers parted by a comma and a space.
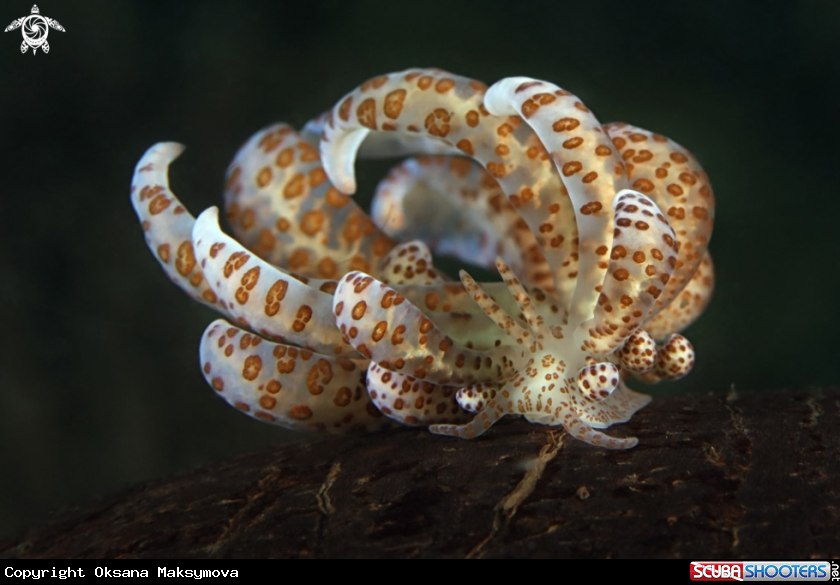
495, 410
598, 439
541, 388
492, 412
618, 408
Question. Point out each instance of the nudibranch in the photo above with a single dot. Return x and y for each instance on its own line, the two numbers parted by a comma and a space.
599, 232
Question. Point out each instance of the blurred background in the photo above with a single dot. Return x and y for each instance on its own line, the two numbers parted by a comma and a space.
99, 376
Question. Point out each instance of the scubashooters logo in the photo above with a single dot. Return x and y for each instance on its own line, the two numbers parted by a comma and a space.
796, 571
35, 29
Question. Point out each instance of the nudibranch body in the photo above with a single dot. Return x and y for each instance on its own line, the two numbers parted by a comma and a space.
600, 234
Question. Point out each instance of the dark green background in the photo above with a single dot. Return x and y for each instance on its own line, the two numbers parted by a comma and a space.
99, 377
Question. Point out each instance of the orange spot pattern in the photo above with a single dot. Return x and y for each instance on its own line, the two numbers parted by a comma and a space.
627, 260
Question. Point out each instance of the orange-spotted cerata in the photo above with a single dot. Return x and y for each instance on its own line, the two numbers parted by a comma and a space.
334, 318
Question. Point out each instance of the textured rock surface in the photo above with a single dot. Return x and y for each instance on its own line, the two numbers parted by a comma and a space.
752, 476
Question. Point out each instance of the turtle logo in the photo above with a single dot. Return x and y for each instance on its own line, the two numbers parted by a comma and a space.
35, 29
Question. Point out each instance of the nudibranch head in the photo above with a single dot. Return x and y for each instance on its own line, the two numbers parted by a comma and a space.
599, 232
